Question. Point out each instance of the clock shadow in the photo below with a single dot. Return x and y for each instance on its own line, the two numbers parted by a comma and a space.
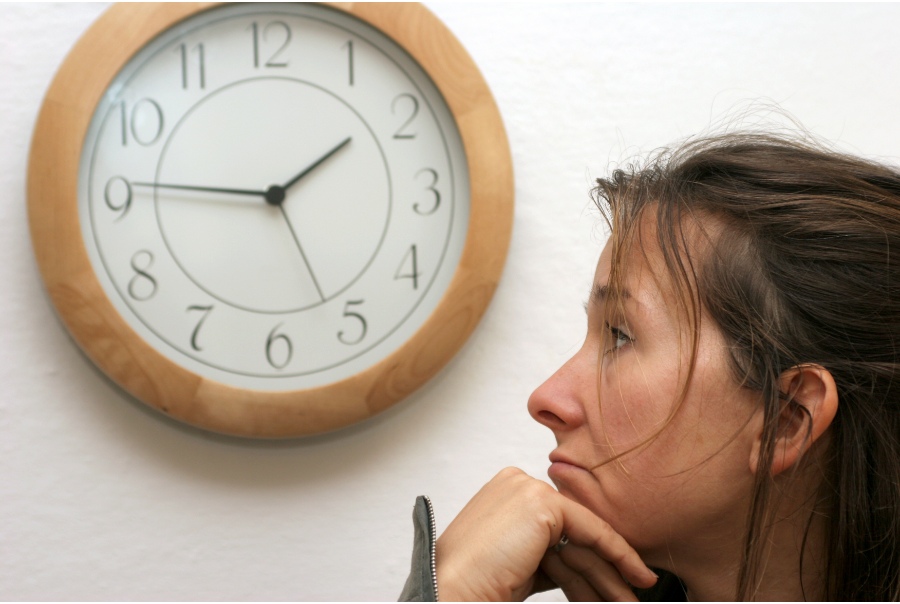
352, 453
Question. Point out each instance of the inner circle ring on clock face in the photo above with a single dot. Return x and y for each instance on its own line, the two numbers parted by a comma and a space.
217, 278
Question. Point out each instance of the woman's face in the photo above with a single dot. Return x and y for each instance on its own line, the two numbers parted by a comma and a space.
683, 476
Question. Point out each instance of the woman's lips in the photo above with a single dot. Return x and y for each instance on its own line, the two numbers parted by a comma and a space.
561, 465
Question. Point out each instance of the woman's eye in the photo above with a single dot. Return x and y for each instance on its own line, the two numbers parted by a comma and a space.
619, 337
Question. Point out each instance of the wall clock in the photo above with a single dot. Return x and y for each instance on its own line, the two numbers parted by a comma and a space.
269, 220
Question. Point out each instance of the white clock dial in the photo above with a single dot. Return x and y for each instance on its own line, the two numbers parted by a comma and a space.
273, 196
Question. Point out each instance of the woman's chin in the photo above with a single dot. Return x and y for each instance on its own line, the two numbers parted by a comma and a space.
578, 484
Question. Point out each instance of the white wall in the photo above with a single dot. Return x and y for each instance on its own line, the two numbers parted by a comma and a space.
101, 498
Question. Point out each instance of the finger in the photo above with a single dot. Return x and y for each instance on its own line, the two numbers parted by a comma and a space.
542, 583
587, 575
573, 584
587, 530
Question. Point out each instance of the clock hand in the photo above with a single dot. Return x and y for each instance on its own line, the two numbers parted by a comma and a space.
302, 255
157, 185
275, 195
315, 164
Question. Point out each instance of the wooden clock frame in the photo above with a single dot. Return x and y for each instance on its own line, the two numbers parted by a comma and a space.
132, 363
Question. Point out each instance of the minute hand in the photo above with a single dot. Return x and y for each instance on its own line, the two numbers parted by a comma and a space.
315, 164
196, 188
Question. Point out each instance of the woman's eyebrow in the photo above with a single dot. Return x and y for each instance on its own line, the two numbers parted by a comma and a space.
601, 292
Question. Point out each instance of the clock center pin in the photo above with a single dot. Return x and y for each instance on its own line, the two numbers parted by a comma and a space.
275, 195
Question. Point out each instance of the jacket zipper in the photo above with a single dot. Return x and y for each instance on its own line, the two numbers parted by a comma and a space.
432, 545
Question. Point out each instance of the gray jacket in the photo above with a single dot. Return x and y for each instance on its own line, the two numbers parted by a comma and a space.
421, 586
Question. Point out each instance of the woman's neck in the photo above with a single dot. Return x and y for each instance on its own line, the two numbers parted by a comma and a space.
793, 556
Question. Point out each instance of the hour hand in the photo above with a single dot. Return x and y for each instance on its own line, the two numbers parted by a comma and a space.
274, 195
316, 163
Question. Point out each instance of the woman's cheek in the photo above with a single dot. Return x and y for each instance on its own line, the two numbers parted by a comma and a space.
635, 402
622, 413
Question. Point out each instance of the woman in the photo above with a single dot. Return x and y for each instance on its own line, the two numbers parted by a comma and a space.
733, 416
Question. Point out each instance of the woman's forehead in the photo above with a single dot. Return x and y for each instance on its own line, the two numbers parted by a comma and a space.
643, 278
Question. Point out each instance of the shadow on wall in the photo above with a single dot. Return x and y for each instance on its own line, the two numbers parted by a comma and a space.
244, 463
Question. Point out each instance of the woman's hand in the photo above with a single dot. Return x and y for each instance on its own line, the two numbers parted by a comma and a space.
500, 547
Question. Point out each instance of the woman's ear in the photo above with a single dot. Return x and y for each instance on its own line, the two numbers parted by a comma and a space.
812, 402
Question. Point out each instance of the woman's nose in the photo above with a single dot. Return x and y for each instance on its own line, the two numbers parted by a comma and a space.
559, 402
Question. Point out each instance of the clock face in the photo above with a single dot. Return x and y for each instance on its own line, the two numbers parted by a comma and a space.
274, 197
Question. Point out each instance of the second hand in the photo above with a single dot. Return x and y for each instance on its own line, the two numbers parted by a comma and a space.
302, 253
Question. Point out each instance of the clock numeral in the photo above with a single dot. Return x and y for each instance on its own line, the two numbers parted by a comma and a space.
405, 101
117, 195
362, 321
145, 123
185, 67
143, 285
417, 207
280, 32
349, 47
279, 349
205, 310
410, 263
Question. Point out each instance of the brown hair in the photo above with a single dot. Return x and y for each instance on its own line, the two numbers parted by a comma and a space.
803, 267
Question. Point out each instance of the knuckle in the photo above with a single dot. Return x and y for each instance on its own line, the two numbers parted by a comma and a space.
510, 472
539, 490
